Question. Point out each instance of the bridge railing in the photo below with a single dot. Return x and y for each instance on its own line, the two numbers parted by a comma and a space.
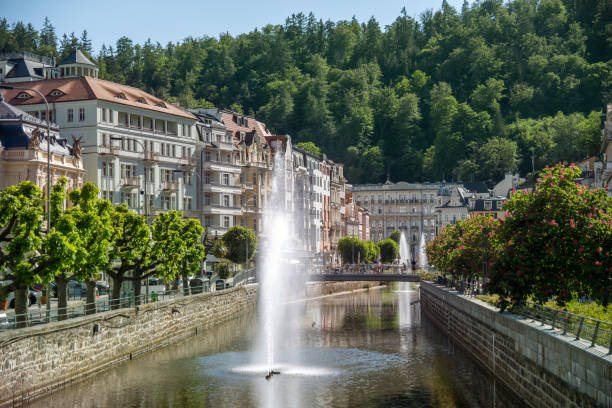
366, 269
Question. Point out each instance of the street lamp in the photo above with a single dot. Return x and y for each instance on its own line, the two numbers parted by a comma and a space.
48, 307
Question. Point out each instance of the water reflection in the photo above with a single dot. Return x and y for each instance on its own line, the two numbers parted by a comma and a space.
370, 349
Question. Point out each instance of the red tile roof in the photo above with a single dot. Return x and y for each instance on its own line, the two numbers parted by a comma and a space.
254, 126
88, 88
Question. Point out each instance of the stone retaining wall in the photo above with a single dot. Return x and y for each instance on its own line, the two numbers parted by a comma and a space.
326, 288
37, 359
543, 367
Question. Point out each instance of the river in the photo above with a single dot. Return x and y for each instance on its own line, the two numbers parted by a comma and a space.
367, 349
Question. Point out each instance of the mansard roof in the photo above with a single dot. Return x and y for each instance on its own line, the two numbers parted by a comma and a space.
76, 57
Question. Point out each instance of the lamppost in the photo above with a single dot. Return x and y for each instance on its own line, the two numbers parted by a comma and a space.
48, 305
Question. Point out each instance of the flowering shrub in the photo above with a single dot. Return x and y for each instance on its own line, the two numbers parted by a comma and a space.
460, 248
556, 242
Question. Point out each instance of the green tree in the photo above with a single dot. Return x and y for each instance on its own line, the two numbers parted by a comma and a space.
395, 235
310, 148
389, 250
557, 242
90, 218
352, 250
236, 239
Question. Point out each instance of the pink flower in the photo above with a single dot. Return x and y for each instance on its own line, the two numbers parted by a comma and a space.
514, 190
538, 179
562, 177
552, 185
597, 263
580, 250
572, 223
599, 249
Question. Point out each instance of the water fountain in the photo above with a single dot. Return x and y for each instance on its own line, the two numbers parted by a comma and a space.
404, 306
422, 254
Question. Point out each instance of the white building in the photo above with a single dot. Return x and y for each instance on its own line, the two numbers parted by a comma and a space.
137, 149
220, 187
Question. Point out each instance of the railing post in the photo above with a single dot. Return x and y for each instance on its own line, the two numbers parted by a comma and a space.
554, 318
565, 323
595, 333
579, 328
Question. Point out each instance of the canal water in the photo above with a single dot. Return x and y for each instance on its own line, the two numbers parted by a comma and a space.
367, 349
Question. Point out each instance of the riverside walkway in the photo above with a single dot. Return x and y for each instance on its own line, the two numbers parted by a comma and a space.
392, 273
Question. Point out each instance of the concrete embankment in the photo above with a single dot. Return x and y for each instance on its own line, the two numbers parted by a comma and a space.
38, 359
543, 367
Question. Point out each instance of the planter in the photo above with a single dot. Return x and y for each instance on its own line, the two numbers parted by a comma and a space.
43, 300
4, 304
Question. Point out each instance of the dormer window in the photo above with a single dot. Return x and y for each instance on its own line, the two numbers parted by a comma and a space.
160, 105
24, 95
121, 95
141, 100
487, 205
242, 134
246, 122
56, 92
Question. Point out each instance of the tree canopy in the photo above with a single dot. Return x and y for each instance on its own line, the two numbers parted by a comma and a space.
421, 99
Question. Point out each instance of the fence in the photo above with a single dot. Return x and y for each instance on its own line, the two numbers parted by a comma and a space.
9, 321
597, 332
582, 327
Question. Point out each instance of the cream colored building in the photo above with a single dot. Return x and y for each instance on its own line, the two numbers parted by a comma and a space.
23, 151
137, 149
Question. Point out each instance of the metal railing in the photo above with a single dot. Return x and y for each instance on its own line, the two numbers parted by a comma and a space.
597, 332
594, 331
10, 321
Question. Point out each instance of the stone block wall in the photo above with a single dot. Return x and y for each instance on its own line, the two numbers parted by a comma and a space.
543, 367
326, 288
37, 359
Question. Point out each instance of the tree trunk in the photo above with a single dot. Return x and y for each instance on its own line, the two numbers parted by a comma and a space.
90, 302
116, 292
137, 286
185, 284
61, 285
21, 307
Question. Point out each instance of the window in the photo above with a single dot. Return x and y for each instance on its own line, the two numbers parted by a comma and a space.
128, 170
226, 201
150, 200
121, 95
226, 179
207, 178
487, 205
141, 100
129, 198
107, 169
107, 195
160, 104
70, 115
173, 150
226, 222
149, 175
188, 177
56, 92
81, 114
207, 156
186, 203
24, 95
104, 118
166, 202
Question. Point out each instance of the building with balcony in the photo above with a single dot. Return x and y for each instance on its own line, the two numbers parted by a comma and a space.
24, 147
219, 186
138, 149
453, 204
356, 219
255, 160
409, 207
311, 194
337, 194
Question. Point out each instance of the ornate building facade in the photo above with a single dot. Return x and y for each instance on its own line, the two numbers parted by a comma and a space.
23, 151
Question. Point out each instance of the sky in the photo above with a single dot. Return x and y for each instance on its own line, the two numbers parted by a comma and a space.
164, 21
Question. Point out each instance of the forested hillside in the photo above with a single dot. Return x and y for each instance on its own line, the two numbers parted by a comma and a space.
456, 94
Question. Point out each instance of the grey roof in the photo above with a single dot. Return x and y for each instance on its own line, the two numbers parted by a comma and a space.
14, 135
76, 57
479, 187
24, 68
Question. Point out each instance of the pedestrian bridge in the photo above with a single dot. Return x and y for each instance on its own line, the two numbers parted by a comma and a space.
369, 277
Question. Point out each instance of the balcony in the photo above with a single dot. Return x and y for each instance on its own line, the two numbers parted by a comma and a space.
247, 186
188, 162
220, 188
250, 209
108, 150
215, 165
170, 185
130, 182
217, 208
151, 156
